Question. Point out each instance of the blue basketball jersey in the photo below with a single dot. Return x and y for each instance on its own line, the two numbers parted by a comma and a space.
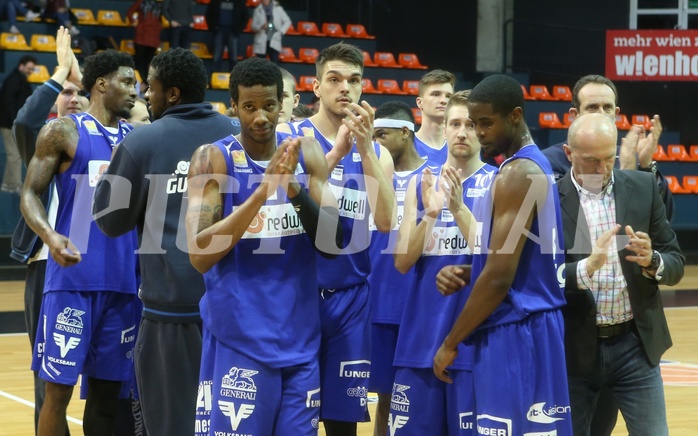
261, 299
433, 156
387, 285
428, 315
352, 267
539, 282
108, 264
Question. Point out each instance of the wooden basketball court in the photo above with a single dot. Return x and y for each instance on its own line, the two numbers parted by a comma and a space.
679, 367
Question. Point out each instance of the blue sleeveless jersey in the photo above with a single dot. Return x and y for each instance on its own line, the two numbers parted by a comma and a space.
433, 156
348, 185
388, 286
539, 283
428, 315
108, 264
261, 299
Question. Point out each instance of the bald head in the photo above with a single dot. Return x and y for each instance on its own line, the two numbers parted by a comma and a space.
591, 148
594, 126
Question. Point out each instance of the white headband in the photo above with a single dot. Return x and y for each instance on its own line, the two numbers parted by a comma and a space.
392, 124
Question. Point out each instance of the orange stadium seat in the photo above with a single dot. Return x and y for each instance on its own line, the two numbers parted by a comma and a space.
309, 28
675, 187
287, 55
84, 16
526, 95
252, 3
540, 92
410, 60
13, 41
43, 43
358, 31
291, 30
622, 122
139, 79
389, 86
411, 87
678, 152
549, 120
305, 83
308, 55
203, 2
220, 80
199, 22
642, 120
562, 92
219, 106
111, 18
127, 46
660, 155
567, 119
691, 183
201, 50
368, 62
693, 151
333, 29
417, 113
385, 59
39, 75
248, 27
367, 87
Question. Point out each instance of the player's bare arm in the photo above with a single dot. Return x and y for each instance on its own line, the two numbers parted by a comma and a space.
327, 222
55, 149
412, 236
513, 185
359, 120
210, 236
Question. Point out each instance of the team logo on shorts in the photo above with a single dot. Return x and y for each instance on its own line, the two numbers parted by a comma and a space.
236, 416
64, 345
493, 425
396, 421
70, 321
399, 401
238, 384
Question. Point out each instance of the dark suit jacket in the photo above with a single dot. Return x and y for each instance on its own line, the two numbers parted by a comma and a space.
639, 205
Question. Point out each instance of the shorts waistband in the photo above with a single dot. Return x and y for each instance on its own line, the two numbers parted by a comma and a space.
162, 312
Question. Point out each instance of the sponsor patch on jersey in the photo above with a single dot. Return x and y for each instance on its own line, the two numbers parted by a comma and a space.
273, 221
95, 170
239, 159
91, 127
446, 241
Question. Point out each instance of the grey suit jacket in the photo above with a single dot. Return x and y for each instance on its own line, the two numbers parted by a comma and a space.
639, 205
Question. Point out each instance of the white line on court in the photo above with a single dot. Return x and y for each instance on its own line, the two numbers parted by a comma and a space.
30, 404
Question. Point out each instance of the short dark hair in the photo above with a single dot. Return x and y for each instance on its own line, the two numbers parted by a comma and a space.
436, 77
591, 78
395, 110
104, 64
180, 68
502, 92
255, 71
302, 111
26, 59
344, 52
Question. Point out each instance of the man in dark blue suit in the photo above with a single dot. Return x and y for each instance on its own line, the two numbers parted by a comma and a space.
597, 94
615, 328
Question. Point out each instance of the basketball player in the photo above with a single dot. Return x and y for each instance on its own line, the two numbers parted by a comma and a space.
261, 322
88, 312
435, 89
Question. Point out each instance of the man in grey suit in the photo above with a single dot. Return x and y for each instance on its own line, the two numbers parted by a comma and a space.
615, 328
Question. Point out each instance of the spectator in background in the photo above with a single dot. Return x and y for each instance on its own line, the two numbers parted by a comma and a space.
290, 97
314, 104
301, 112
59, 10
139, 113
13, 93
269, 22
10, 9
145, 15
179, 14
226, 19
